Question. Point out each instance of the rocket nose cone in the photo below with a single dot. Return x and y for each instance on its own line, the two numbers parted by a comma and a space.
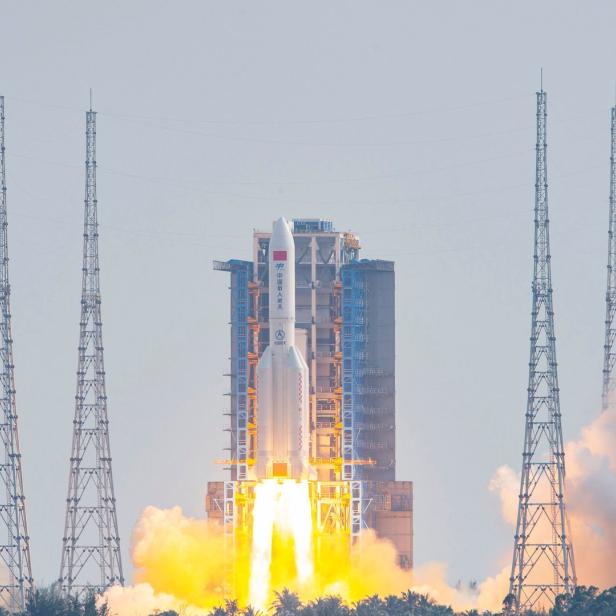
281, 227
281, 233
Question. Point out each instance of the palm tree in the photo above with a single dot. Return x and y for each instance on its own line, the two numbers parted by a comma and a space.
286, 603
326, 606
395, 606
416, 604
370, 606
231, 607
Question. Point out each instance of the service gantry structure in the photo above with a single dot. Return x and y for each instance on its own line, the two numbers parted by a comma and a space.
543, 565
91, 559
16, 580
610, 296
345, 328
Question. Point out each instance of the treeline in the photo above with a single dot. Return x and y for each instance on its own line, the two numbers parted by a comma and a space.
585, 601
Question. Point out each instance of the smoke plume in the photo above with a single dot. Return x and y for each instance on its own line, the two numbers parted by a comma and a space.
181, 563
590, 497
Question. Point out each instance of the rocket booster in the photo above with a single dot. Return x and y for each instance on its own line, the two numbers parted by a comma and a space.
282, 374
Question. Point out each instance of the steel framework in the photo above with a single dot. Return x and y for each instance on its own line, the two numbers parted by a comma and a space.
16, 584
609, 382
353, 348
543, 565
91, 559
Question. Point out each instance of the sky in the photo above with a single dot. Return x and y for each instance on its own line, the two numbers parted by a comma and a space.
410, 123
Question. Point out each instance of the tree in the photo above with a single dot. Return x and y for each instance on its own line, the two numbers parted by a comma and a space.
508, 604
326, 606
605, 603
586, 601
580, 603
231, 607
371, 606
51, 602
286, 603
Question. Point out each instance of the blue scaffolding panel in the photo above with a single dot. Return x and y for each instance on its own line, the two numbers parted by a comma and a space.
353, 364
241, 274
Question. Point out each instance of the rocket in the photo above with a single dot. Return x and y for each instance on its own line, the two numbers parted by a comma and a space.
282, 374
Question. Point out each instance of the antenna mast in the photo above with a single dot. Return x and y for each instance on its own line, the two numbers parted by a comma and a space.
91, 559
543, 565
16, 582
609, 360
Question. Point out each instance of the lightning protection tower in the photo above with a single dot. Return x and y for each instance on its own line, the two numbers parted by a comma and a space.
543, 565
91, 559
609, 381
16, 580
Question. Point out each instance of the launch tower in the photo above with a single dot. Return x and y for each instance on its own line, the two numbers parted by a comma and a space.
345, 329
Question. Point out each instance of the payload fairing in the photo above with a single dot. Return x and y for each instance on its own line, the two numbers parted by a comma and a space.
283, 430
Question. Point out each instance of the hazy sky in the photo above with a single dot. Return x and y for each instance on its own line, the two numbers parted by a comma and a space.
411, 123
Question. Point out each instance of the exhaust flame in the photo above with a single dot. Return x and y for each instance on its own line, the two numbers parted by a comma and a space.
181, 563
281, 517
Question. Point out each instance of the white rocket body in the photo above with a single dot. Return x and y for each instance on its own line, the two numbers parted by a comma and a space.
283, 430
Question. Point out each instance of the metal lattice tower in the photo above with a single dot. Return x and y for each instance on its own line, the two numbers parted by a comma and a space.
91, 559
609, 380
543, 565
16, 584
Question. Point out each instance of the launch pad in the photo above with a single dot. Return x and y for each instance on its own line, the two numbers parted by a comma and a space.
340, 508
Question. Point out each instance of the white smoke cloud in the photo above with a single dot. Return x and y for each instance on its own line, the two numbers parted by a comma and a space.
590, 462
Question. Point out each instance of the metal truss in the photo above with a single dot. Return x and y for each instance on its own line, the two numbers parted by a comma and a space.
609, 382
241, 368
229, 531
16, 580
91, 559
357, 510
543, 565
332, 507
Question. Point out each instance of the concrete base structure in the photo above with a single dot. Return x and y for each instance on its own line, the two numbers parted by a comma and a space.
389, 511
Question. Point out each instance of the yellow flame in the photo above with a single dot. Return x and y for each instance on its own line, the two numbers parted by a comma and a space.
282, 518
188, 565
